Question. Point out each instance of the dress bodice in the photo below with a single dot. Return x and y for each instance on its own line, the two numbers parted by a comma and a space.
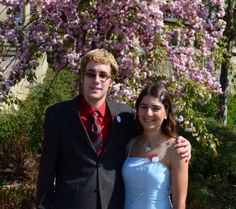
147, 183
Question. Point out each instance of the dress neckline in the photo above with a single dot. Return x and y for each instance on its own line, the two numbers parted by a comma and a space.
149, 160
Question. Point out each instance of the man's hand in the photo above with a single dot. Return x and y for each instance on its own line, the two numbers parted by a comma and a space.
183, 147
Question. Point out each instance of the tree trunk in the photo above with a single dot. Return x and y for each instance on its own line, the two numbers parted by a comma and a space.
223, 105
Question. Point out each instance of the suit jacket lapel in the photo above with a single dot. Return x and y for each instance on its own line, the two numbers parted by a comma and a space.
114, 111
71, 114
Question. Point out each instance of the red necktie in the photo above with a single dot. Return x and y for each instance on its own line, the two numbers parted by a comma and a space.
96, 132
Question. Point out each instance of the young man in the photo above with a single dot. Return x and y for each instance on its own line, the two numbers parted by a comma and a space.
84, 143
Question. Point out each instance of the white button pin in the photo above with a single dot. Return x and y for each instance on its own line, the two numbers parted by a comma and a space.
118, 119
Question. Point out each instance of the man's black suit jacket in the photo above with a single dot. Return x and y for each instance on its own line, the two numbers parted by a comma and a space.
71, 175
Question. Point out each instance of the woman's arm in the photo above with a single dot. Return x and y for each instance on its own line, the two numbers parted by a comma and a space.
179, 173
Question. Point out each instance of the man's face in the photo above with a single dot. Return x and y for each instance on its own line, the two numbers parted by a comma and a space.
96, 82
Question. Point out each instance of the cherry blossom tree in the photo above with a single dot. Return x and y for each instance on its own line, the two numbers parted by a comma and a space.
175, 40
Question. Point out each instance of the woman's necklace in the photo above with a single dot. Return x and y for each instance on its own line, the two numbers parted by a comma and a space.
147, 148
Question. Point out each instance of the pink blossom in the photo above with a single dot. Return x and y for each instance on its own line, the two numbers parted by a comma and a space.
174, 40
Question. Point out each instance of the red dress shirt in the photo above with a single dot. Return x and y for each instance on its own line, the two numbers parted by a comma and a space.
104, 118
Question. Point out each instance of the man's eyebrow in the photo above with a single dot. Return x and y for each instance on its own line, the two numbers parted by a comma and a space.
90, 69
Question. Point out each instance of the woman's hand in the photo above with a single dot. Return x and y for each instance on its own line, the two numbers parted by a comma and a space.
183, 147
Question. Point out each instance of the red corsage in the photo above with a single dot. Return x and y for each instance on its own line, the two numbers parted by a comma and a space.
153, 157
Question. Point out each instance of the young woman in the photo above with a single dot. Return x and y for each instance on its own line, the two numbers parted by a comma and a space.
155, 176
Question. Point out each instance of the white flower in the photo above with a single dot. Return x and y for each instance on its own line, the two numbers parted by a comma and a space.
155, 159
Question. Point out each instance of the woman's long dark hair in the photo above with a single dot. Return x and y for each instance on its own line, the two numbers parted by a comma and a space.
158, 90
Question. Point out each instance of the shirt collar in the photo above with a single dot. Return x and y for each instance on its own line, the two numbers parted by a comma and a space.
88, 109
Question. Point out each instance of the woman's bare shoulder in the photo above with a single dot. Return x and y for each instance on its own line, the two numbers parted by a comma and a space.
171, 147
171, 143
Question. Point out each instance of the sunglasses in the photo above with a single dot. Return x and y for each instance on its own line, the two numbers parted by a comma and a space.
103, 76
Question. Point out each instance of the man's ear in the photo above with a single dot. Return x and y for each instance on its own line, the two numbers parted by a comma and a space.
80, 81
111, 85
109, 92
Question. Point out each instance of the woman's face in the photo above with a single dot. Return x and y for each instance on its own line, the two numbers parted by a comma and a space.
151, 113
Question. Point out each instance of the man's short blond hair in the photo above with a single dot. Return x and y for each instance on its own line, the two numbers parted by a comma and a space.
101, 56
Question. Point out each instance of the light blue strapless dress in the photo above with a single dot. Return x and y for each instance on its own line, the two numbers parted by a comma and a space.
147, 184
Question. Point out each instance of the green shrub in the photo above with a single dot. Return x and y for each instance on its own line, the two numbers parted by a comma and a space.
17, 197
20, 138
213, 178
211, 109
56, 88
232, 110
